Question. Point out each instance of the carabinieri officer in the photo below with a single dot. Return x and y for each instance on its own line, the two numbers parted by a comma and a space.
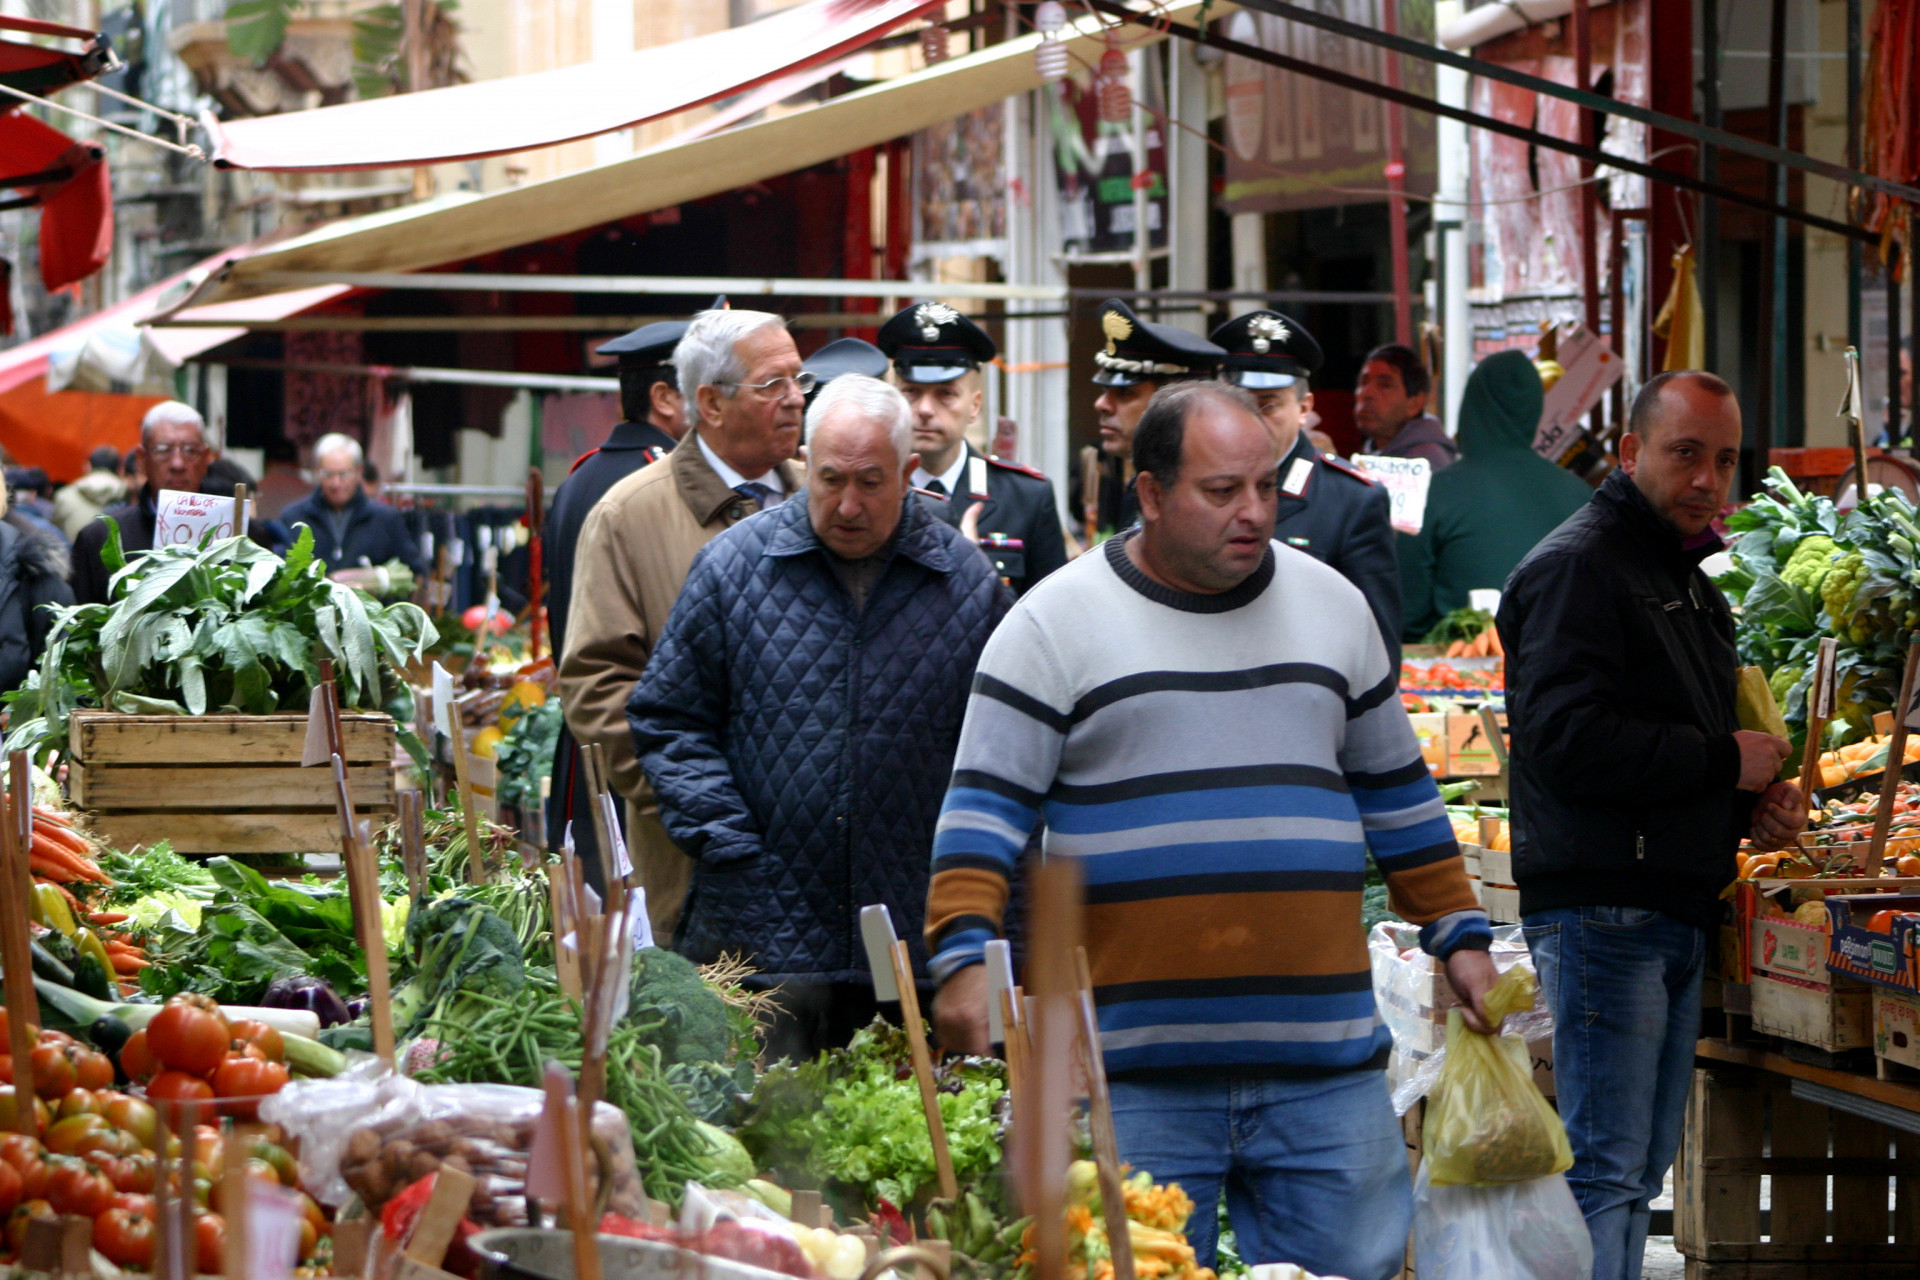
937, 354
654, 417
1328, 507
1138, 358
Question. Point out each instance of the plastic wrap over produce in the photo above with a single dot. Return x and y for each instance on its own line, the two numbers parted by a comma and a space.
1413, 997
373, 1133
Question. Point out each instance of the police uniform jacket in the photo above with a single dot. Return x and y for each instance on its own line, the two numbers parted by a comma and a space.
1019, 505
1342, 519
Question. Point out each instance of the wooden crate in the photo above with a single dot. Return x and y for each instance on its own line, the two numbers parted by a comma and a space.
222, 783
1828, 1176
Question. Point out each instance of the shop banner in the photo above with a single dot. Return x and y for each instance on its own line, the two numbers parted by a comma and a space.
1093, 165
1296, 143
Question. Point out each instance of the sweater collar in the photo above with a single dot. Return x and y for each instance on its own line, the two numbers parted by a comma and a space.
1187, 602
917, 537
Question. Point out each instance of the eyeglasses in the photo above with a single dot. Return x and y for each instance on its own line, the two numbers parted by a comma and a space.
340, 475
775, 388
184, 450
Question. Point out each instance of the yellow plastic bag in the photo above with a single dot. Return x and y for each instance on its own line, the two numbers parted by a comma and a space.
1486, 1122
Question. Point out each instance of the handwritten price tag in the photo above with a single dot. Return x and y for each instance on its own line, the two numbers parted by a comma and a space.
186, 519
1406, 481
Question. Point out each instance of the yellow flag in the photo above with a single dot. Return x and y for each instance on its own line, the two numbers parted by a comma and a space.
1680, 321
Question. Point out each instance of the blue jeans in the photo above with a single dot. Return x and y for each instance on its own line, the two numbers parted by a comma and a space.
1315, 1170
1624, 987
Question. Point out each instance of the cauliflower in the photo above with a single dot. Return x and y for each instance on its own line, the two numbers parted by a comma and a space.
1812, 557
1783, 681
1840, 584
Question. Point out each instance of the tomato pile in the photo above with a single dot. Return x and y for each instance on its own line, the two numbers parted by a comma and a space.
96, 1153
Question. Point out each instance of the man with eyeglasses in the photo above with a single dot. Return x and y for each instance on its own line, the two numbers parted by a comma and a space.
351, 530
745, 392
173, 454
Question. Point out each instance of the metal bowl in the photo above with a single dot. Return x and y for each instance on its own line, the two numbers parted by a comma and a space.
532, 1253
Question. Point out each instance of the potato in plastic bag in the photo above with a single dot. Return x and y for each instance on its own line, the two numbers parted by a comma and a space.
1486, 1122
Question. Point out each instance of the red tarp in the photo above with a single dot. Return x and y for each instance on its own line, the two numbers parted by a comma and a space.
517, 113
76, 212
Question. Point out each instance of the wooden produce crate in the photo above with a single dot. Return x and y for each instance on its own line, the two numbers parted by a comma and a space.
1829, 1178
223, 783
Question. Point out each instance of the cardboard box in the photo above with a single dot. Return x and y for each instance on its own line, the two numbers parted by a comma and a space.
1890, 959
1833, 1018
1502, 904
1469, 754
1896, 1027
1787, 949
1430, 727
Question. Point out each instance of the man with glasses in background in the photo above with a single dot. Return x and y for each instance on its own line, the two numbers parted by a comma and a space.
745, 392
174, 454
351, 528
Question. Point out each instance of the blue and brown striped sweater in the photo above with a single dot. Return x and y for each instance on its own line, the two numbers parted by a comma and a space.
1222, 765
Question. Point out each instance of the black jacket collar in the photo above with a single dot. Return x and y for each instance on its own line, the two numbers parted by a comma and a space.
1630, 512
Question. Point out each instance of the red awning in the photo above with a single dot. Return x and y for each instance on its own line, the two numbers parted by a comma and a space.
517, 113
68, 180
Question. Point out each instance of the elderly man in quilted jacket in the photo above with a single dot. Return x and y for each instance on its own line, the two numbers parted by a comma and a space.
799, 717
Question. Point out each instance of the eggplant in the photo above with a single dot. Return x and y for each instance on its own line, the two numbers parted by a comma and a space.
310, 994
109, 1035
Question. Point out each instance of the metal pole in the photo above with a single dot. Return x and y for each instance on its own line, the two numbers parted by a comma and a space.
1709, 240
1854, 335
1396, 187
1765, 408
1776, 316
1589, 258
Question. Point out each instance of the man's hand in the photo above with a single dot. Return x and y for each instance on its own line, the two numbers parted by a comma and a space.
970, 522
1760, 757
1471, 975
1779, 817
960, 1012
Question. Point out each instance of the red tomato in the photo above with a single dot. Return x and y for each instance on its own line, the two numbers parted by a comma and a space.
84, 1191
133, 1115
268, 1040
137, 1173
107, 1141
476, 616
53, 1071
210, 1241
64, 1137
248, 1078
178, 1087
17, 1149
186, 1037
125, 1238
132, 1202
80, 1102
95, 1070
9, 1187
136, 1059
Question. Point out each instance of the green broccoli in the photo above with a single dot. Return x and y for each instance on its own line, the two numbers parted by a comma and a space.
1841, 584
459, 947
693, 1022
1808, 564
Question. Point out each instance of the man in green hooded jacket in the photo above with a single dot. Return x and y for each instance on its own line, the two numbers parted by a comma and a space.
1485, 512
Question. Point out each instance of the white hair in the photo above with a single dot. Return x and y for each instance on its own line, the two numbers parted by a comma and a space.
170, 413
705, 355
873, 400
335, 442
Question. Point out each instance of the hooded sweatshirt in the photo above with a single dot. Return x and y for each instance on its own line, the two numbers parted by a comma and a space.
1486, 511
77, 504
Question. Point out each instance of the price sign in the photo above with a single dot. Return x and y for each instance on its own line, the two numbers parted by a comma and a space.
1591, 368
186, 519
1406, 481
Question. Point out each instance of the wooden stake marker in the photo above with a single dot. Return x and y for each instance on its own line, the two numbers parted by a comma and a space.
1820, 698
16, 942
1106, 1147
1044, 1149
923, 1070
1896, 763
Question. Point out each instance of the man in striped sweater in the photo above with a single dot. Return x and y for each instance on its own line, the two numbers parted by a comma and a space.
1208, 720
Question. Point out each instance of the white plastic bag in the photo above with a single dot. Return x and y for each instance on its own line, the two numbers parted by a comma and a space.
1515, 1231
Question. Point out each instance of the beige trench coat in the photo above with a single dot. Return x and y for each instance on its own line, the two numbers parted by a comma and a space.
632, 559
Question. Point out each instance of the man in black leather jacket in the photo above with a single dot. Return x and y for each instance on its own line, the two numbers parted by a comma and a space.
1632, 784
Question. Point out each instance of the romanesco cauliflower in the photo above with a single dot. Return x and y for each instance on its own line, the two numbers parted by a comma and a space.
1837, 588
1812, 557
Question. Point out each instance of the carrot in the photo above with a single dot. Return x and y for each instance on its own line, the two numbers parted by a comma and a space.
79, 867
59, 875
1458, 649
107, 917
54, 816
127, 964
68, 840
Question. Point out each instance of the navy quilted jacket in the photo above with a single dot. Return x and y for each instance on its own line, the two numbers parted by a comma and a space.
800, 750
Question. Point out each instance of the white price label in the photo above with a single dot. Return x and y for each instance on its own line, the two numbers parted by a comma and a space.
1406, 481
186, 519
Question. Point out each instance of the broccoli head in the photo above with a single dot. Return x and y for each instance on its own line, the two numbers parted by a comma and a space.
1807, 566
1840, 584
693, 1022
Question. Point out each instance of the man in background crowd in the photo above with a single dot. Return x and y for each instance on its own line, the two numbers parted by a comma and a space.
1390, 408
653, 417
1486, 511
937, 354
350, 529
1138, 358
799, 716
1632, 785
1327, 507
745, 390
174, 453
92, 493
